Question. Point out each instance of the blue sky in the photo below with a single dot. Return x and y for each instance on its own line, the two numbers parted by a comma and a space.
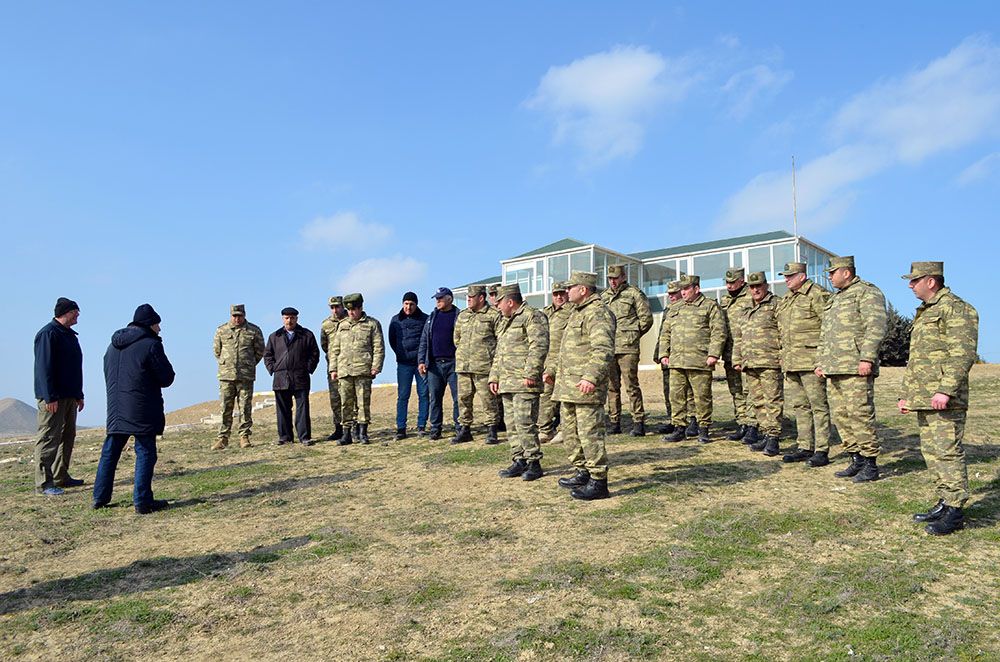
193, 155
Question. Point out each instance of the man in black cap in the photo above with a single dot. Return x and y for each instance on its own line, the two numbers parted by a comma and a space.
436, 358
59, 391
291, 356
136, 369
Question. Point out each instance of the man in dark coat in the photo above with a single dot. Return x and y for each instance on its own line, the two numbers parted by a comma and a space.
59, 392
436, 359
135, 370
404, 338
291, 356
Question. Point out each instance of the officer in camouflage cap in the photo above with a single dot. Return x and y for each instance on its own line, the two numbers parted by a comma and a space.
239, 347
581, 382
327, 331
673, 296
757, 354
852, 331
800, 316
358, 352
633, 318
475, 346
517, 377
491, 296
734, 304
943, 346
558, 313
692, 340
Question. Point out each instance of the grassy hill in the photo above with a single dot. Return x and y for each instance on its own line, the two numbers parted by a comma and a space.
418, 551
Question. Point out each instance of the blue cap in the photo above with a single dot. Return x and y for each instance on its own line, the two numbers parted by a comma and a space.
443, 292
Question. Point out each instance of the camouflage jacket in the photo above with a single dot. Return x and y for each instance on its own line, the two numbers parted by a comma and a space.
521, 351
733, 307
238, 350
476, 339
632, 316
557, 324
656, 348
943, 348
800, 316
587, 350
854, 325
693, 332
328, 329
759, 345
358, 347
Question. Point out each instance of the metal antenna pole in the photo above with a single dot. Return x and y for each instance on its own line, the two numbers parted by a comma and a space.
795, 214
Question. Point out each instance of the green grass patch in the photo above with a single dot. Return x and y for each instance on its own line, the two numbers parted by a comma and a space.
207, 482
479, 535
331, 542
431, 591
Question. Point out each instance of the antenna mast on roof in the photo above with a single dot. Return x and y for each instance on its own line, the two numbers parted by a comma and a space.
795, 214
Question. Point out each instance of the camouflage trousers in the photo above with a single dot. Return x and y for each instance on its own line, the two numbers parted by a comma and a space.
805, 393
334, 388
764, 391
694, 384
54, 446
739, 389
469, 385
666, 392
521, 411
941, 434
355, 399
625, 368
229, 392
548, 410
583, 433
852, 409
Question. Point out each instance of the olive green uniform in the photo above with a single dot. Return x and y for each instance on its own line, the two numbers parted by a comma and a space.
733, 307
475, 338
633, 319
665, 373
238, 349
328, 329
548, 408
358, 349
691, 333
758, 353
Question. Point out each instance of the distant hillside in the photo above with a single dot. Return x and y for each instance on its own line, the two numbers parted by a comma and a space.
17, 418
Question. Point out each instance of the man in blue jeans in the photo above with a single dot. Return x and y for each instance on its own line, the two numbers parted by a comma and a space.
436, 358
135, 370
404, 338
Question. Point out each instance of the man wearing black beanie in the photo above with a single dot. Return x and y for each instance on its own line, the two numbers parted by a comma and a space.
404, 338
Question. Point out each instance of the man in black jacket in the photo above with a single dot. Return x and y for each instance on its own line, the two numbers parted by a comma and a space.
291, 356
59, 392
135, 370
404, 338
436, 358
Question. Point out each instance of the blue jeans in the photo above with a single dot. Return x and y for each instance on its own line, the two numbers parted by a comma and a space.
441, 373
405, 375
145, 460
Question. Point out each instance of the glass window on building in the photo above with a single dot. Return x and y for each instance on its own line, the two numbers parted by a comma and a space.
783, 253
522, 273
759, 259
712, 269
539, 276
737, 258
601, 267
657, 275
558, 269
580, 262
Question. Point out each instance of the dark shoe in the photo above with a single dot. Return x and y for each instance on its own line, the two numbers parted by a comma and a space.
97, 505
703, 435
692, 428
800, 455
400, 434
869, 471
348, 438
751, 435
667, 429
818, 459
594, 489
951, 520
579, 479
759, 445
738, 433
282, 442
516, 468
435, 434
307, 442
614, 427
338, 433
771, 445
931, 515
638, 429
501, 426
70, 482
363, 433
152, 507
533, 472
464, 435
491, 435
421, 432
677, 435
853, 468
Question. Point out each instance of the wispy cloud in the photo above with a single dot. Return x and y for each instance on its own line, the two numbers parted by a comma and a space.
953, 102
980, 170
343, 229
379, 275
747, 88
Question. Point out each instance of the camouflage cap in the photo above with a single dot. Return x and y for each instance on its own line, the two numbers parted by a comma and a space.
476, 290
733, 275
616, 270
492, 290
840, 263
757, 278
921, 269
336, 301
238, 309
688, 280
673, 287
559, 286
582, 278
792, 268
507, 290
352, 301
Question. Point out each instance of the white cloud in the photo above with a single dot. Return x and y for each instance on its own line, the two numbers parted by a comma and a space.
378, 275
979, 170
343, 229
750, 86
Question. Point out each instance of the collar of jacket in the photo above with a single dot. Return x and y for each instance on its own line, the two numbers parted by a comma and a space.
64, 329
361, 319
696, 302
806, 286
767, 297
589, 300
742, 292
937, 297
856, 279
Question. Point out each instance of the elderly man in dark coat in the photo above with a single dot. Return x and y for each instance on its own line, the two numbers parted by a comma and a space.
291, 356
135, 370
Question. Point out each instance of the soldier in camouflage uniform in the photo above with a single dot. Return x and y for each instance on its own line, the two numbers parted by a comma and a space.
491, 296
733, 306
943, 347
517, 377
558, 313
327, 331
239, 347
800, 316
580, 376
673, 296
358, 352
633, 318
852, 331
692, 339
475, 345
757, 355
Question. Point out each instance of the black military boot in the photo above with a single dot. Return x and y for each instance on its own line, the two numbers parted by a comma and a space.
594, 489
951, 520
463, 435
501, 426
435, 434
737, 434
931, 515
338, 432
614, 427
759, 445
853, 468
347, 438
400, 434
751, 436
579, 479
801, 455
516, 468
819, 459
638, 429
677, 435
491, 435
692, 428
869, 471
363, 433
771, 445
533, 472
703, 436
667, 428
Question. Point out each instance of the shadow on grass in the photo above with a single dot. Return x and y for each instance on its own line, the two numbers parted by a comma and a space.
985, 512
709, 474
660, 453
278, 486
178, 473
139, 577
